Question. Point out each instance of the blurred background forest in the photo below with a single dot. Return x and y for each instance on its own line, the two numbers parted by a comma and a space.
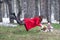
50, 9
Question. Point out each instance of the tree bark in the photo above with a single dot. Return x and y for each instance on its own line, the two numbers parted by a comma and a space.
0, 11
56, 10
59, 10
19, 9
49, 11
36, 8
10, 10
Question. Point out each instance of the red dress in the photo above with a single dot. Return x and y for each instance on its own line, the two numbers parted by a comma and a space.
31, 23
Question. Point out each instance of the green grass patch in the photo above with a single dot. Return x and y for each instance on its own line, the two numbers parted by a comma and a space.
56, 26
20, 33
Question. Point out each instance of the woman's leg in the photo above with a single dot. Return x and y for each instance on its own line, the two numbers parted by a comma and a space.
14, 17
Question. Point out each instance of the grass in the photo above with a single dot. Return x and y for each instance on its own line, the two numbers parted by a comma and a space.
56, 26
19, 33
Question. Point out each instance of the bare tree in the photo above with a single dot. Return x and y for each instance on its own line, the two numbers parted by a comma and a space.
31, 8
19, 9
49, 11
9, 3
1, 10
56, 9
42, 7
59, 10
45, 9
36, 8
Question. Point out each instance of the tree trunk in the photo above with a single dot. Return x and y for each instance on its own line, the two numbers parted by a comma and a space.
43, 7
30, 8
56, 10
49, 11
59, 11
10, 10
0, 11
36, 8
19, 9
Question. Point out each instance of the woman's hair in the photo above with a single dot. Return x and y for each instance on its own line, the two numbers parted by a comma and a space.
41, 17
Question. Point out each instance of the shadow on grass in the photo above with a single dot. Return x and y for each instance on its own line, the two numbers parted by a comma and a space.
24, 32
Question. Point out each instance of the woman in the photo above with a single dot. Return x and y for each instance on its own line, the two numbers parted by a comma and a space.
30, 23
